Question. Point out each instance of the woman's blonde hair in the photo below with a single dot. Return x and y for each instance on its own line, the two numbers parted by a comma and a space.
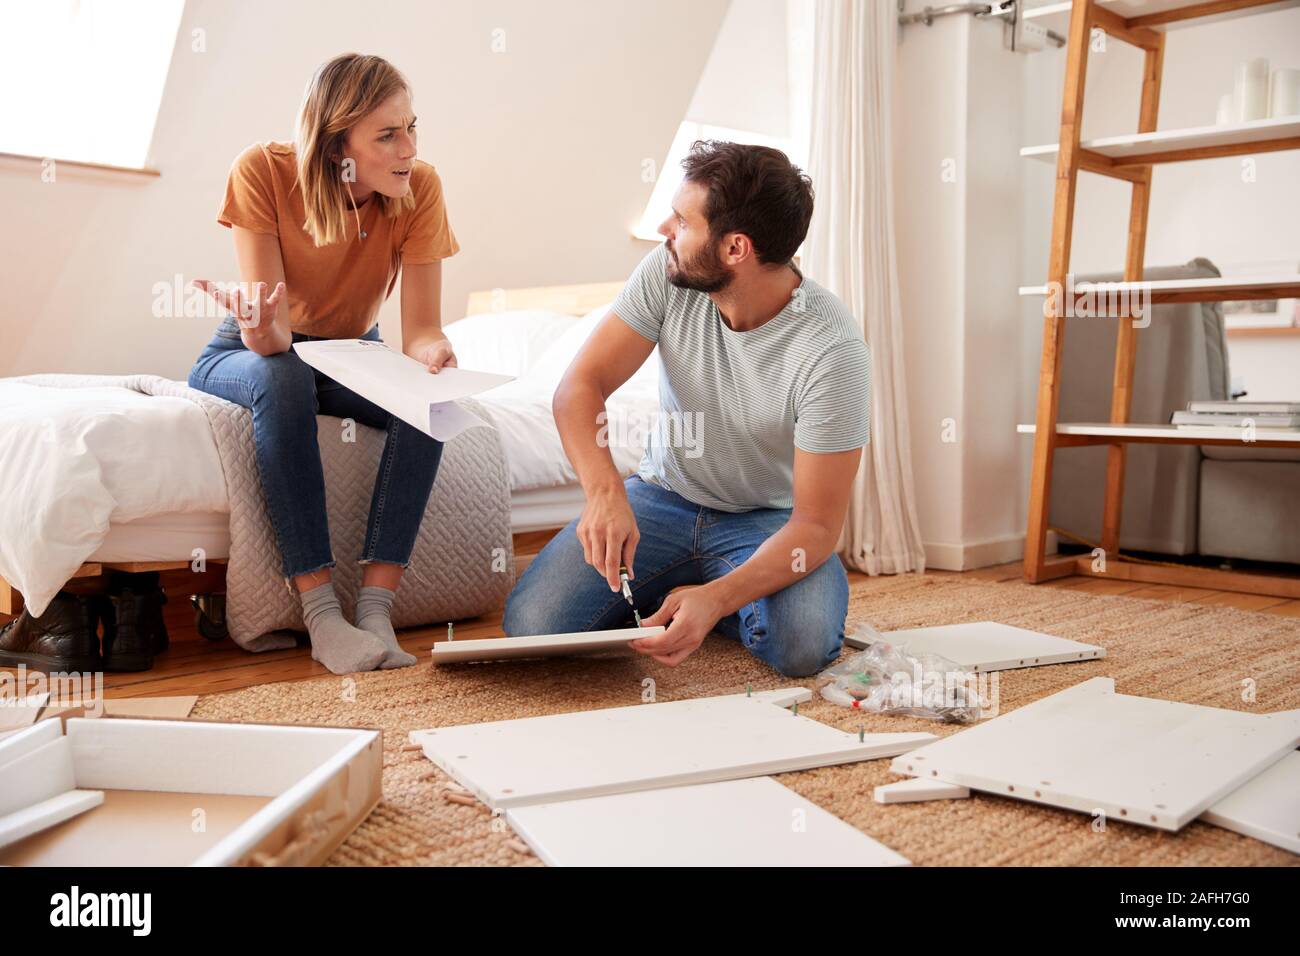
339, 94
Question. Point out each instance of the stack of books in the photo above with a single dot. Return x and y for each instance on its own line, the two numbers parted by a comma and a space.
1238, 415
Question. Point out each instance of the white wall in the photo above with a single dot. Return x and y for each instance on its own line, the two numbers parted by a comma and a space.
957, 208
929, 211
994, 515
750, 55
540, 149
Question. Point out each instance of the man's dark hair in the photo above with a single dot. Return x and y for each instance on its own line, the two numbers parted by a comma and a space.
755, 190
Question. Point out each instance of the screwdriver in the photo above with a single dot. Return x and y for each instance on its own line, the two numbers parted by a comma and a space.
627, 592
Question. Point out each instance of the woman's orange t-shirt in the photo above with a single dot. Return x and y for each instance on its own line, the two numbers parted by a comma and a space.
336, 290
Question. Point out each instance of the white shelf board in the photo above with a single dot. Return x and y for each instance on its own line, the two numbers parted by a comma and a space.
750, 822
918, 790
1056, 16
983, 646
540, 645
1176, 140
1216, 287
1157, 763
1165, 431
1267, 807
592, 753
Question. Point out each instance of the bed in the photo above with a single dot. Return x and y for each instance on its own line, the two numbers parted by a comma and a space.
172, 499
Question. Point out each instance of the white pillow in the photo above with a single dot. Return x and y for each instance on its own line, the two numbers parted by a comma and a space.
556, 359
551, 367
508, 343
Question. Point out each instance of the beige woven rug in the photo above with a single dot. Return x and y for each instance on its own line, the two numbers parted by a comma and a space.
1185, 652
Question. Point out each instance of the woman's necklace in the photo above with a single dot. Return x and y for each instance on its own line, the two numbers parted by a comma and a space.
362, 233
371, 202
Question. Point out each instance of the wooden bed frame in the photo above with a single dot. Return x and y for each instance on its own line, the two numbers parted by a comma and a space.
176, 575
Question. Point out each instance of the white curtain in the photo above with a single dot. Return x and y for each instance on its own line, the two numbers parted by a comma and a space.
850, 250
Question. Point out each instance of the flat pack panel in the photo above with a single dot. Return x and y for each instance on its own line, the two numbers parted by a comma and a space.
989, 646
41, 774
48, 813
1155, 762
918, 789
22, 742
176, 708
120, 753
748, 822
1266, 807
540, 645
512, 763
173, 707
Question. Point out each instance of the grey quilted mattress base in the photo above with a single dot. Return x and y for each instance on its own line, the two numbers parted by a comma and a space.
463, 562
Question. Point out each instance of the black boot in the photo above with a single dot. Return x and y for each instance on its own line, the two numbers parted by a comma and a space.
150, 598
127, 646
60, 640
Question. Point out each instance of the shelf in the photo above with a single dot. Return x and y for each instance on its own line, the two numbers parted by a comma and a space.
1181, 145
1105, 433
1262, 331
1155, 14
1162, 291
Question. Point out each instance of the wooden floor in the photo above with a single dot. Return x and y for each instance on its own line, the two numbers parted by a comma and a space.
194, 665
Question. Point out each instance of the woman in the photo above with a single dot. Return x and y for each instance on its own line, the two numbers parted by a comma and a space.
327, 223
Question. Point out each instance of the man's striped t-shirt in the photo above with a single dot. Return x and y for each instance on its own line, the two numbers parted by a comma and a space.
735, 405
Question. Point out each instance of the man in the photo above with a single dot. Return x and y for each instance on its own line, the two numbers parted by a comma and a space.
771, 372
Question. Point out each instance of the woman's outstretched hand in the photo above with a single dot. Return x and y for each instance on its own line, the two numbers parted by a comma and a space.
247, 312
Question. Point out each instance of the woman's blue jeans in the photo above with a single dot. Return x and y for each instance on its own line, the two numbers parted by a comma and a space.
285, 395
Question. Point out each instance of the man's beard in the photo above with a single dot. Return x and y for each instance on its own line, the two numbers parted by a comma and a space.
705, 273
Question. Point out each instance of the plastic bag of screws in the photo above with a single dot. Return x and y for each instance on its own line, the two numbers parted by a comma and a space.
885, 679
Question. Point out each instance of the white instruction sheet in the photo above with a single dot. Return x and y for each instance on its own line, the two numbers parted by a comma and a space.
399, 384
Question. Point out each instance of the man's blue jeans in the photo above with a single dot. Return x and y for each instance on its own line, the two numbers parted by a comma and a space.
285, 395
798, 630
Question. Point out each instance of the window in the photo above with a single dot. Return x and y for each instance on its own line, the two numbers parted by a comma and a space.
83, 79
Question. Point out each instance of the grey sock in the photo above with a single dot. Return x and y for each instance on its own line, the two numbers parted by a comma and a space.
338, 645
374, 614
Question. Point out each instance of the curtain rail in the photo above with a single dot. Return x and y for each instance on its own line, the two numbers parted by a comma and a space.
1004, 9
930, 14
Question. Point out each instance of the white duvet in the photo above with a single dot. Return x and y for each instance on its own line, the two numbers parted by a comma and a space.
77, 459
521, 412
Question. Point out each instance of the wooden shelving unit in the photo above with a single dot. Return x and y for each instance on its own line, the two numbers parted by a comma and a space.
1263, 331
1118, 155
1158, 15
1130, 158
1076, 434
1226, 289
